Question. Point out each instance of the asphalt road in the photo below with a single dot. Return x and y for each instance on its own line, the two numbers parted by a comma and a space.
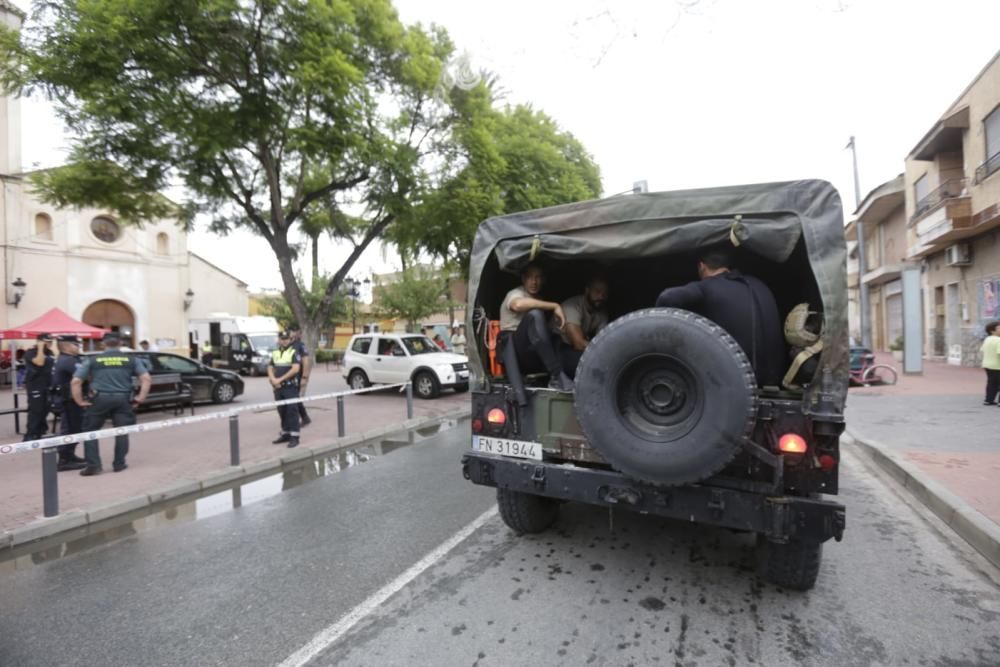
253, 586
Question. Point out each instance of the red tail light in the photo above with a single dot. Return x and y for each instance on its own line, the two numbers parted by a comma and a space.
792, 443
827, 462
496, 417
477, 425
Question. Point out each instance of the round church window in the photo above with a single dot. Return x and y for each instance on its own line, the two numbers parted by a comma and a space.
106, 230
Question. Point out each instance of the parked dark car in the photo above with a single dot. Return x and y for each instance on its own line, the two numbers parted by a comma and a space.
207, 384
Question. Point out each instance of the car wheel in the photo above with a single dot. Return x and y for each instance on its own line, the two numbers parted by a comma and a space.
426, 385
666, 396
224, 392
358, 380
526, 513
793, 565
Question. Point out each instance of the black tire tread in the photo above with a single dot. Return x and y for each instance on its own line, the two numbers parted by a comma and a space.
524, 512
749, 376
793, 565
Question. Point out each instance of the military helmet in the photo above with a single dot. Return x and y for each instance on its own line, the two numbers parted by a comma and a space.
803, 327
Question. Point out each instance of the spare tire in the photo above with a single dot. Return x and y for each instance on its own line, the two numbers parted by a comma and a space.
666, 396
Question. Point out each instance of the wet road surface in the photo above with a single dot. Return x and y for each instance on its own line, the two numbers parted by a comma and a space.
254, 585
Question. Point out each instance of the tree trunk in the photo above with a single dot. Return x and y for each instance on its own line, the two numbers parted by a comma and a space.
310, 336
315, 262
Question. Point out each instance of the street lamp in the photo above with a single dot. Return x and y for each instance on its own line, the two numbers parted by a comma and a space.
353, 290
188, 298
19, 286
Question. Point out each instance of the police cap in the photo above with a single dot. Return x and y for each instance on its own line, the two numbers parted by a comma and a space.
112, 337
284, 334
47, 337
69, 338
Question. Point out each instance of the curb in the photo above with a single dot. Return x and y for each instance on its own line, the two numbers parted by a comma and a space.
79, 522
971, 525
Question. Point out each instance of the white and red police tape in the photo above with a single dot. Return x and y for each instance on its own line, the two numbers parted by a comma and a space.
56, 440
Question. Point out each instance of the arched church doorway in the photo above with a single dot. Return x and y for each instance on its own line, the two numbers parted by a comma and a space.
114, 315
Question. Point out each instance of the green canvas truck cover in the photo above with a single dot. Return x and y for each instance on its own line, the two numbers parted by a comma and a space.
766, 219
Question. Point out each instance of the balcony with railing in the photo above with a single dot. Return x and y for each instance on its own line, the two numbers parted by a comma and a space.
950, 189
940, 217
984, 170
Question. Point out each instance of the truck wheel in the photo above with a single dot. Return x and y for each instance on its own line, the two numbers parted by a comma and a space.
666, 396
793, 565
524, 512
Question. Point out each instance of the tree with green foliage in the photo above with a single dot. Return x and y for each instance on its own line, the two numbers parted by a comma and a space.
263, 110
500, 161
418, 292
277, 307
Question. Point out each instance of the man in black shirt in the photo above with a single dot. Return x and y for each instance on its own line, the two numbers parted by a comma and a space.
38, 364
742, 305
71, 419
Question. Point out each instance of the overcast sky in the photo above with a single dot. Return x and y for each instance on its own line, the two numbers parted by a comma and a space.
690, 93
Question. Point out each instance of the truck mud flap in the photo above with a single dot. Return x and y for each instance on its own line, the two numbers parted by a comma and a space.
779, 518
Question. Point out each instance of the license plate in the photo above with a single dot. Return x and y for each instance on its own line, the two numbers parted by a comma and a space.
504, 447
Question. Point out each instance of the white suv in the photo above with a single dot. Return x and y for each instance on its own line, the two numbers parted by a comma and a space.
389, 358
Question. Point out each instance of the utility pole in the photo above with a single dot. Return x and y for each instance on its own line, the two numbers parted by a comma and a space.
865, 312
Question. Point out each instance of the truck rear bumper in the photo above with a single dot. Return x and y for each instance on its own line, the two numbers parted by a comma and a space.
780, 518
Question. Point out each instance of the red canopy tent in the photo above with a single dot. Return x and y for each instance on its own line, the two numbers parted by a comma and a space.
55, 322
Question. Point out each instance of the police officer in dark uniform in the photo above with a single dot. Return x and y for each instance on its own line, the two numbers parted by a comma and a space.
38, 364
110, 374
283, 372
303, 378
71, 414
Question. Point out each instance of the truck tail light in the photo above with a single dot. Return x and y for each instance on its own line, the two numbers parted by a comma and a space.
496, 417
827, 462
477, 425
792, 443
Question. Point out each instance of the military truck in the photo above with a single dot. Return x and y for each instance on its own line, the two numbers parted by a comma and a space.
666, 417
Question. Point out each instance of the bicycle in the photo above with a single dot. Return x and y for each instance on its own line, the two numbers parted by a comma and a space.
866, 373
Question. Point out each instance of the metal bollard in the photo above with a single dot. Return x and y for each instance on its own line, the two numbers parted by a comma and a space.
234, 440
17, 411
50, 483
341, 431
409, 400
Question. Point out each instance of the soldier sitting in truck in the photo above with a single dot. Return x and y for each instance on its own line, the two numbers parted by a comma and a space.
527, 343
742, 305
586, 314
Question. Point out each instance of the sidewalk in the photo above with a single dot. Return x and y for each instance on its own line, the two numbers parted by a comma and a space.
937, 422
163, 458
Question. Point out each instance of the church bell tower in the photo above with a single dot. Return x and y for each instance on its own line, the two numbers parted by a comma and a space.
10, 107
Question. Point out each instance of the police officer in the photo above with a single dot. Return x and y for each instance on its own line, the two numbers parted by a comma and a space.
38, 363
303, 378
283, 373
110, 374
71, 414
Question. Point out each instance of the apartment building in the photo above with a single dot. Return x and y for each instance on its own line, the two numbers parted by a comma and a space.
952, 192
883, 213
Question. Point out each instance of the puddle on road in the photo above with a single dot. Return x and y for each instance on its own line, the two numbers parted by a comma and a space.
211, 504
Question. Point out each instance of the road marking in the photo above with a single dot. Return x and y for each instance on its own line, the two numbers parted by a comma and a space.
328, 636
